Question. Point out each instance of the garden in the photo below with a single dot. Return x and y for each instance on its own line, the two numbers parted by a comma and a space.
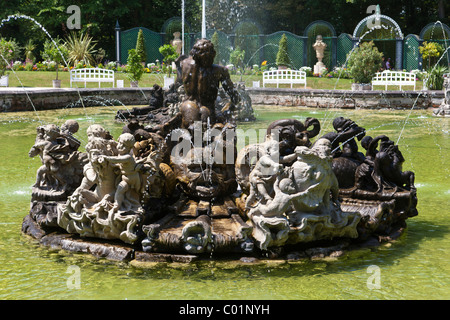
79, 50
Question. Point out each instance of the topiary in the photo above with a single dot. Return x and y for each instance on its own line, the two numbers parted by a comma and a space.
364, 62
140, 46
134, 65
282, 55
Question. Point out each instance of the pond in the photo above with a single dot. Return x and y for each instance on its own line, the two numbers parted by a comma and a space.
416, 266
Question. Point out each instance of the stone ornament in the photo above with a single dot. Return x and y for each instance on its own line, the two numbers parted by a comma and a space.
319, 46
171, 191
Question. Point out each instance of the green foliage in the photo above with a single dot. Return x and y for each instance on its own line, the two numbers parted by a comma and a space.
58, 53
170, 55
282, 55
134, 65
237, 57
215, 42
140, 46
29, 48
81, 49
9, 51
430, 51
435, 80
364, 62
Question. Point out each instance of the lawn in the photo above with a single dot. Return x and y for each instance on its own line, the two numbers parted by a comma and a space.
44, 79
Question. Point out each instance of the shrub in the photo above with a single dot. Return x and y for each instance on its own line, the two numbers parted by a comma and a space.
435, 80
237, 57
170, 55
56, 54
81, 49
430, 51
364, 62
282, 55
140, 46
10, 51
134, 65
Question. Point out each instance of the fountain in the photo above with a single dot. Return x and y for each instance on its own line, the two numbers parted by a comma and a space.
174, 187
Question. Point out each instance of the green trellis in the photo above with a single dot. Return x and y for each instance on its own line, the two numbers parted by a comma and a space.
295, 49
327, 32
152, 43
223, 48
344, 46
411, 53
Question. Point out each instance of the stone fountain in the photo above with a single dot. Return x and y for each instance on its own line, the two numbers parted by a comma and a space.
173, 186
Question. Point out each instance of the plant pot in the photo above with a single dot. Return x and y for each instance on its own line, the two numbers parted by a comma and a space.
4, 81
56, 83
134, 84
361, 86
168, 81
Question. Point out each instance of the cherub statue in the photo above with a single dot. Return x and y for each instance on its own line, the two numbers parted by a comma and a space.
131, 179
47, 147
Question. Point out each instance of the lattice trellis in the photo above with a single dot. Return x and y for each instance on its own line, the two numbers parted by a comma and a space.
152, 43
223, 47
312, 31
295, 49
411, 53
344, 46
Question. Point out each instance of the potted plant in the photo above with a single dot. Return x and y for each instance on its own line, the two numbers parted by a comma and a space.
9, 51
170, 55
283, 61
56, 53
364, 62
134, 67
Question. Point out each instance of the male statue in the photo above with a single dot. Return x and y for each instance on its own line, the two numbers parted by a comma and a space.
201, 79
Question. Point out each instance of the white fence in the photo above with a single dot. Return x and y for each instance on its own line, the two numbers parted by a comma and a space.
394, 78
91, 75
286, 76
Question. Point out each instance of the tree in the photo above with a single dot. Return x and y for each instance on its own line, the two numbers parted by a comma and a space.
430, 51
282, 55
364, 62
215, 42
9, 51
140, 46
57, 53
170, 55
134, 65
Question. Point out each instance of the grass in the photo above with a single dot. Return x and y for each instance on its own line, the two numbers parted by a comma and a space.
44, 79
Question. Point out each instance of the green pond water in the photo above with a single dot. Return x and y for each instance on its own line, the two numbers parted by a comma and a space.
416, 266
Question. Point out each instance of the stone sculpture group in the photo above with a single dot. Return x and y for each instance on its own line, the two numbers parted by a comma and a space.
157, 192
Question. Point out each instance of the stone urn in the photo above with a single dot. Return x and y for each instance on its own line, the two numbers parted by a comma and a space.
177, 42
280, 67
4, 81
56, 83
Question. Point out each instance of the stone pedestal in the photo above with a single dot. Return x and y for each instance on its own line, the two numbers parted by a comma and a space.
319, 67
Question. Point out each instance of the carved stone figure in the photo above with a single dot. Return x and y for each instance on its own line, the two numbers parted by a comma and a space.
61, 162
305, 196
319, 46
111, 210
